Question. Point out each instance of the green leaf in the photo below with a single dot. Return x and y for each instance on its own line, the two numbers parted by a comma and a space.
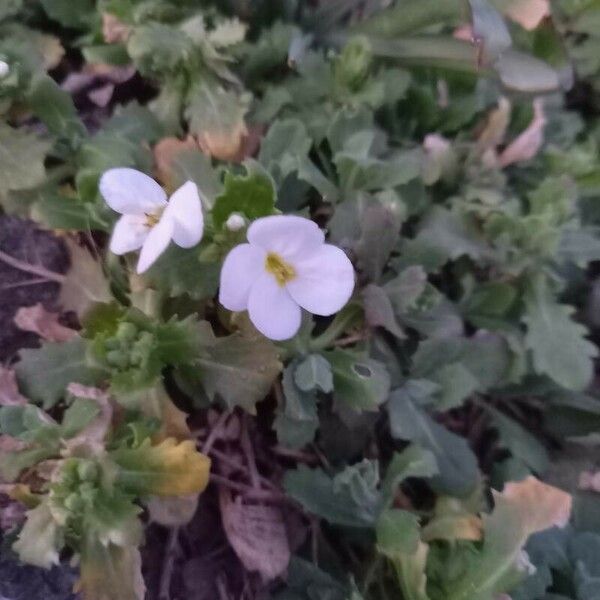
284, 151
313, 373
297, 420
239, 368
158, 48
359, 383
524, 73
193, 165
350, 498
413, 461
490, 28
379, 311
78, 14
45, 373
451, 235
10, 8
521, 444
179, 271
22, 156
217, 116
252, 195
31, 425
557, 343
398, 533
459, 473
55, 108
360, 169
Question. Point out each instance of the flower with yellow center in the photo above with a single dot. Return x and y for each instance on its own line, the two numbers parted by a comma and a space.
148, 221
285, 266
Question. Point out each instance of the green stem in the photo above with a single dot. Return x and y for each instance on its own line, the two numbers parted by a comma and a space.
410, 16
345, 319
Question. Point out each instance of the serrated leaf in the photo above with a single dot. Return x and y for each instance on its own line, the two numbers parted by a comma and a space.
557, 343
252, 195
179, 271
111, 572
171, 468
40, 540
45, 373
238, 368
350, 498
522, 509
217, 117
313, 373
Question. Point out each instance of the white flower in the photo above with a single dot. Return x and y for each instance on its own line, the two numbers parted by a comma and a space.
150, 222
4, 69
235, 222
286, 265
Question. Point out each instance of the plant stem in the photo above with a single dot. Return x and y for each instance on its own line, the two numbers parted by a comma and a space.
349, 317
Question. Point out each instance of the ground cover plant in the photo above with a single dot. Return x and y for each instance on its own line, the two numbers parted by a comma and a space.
326, 323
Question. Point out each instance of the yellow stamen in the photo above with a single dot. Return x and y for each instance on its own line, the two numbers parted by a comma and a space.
152, 219
281, 270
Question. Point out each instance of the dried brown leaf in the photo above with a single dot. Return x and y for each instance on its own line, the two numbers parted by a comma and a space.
85, 282
114, 30
528, 144
44, 323
9, 390
224, 145
90, 440
257, 534
540, 505
528, 13
165, 152
172, 512
590, 481
495, 127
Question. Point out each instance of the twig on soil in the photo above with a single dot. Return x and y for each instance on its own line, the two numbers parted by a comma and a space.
10, 286
249, 492
38, 270
232, 462
249, 452
214, 432
167, 573
296, 455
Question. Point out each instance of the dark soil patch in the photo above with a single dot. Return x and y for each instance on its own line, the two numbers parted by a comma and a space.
23, 241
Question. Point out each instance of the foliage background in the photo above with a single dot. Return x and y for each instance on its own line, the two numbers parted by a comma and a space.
452, 150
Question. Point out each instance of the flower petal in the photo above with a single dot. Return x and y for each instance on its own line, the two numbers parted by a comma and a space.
129, 234
324, 281
185, 209
241, 269
272, 309
156, 243
287, 235
131, 192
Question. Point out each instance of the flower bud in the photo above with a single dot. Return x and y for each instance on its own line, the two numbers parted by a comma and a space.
4, 69
235, 222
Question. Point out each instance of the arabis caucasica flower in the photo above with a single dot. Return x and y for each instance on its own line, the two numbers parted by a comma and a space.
285, 266
150, 222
